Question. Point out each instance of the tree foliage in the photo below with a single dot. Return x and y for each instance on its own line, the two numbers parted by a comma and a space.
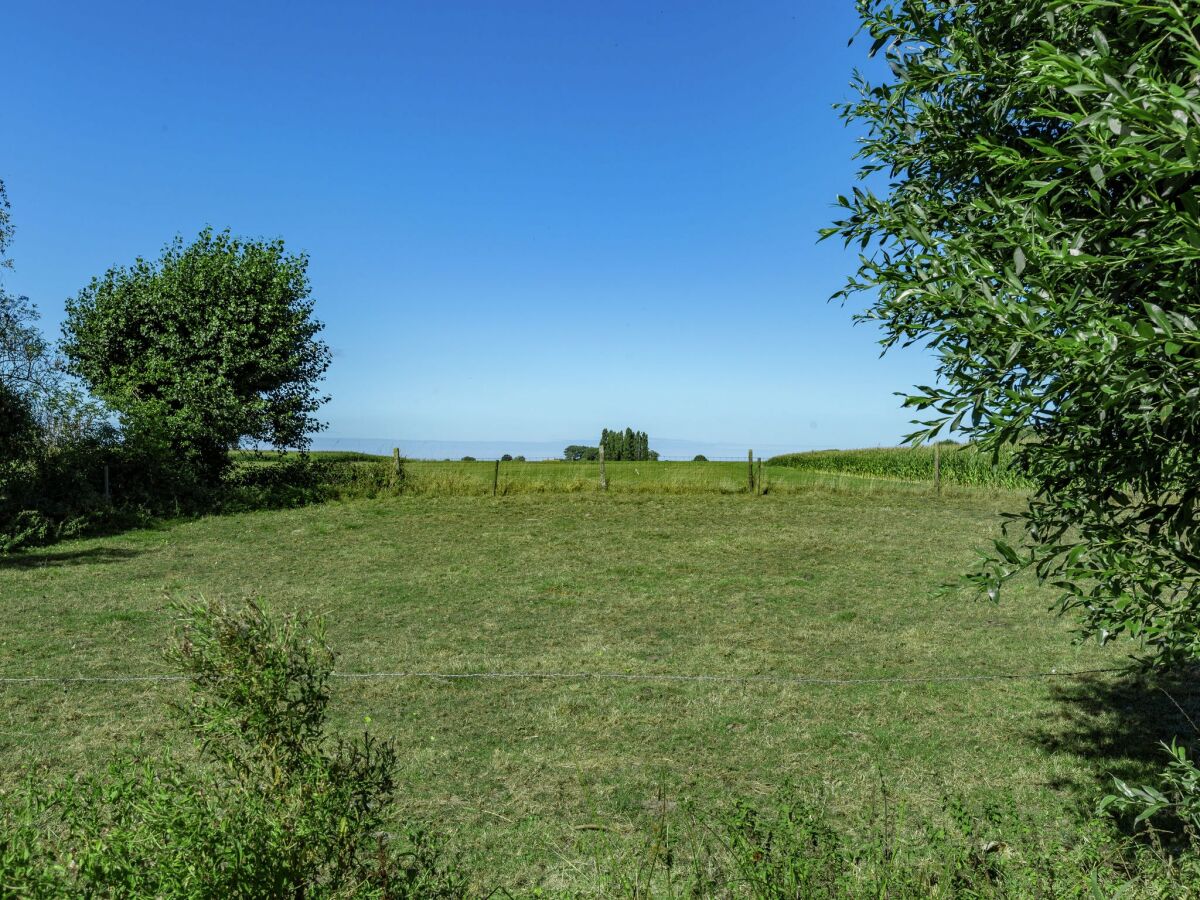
577, 452
22, 347
1030, 210
626, 445
212, 344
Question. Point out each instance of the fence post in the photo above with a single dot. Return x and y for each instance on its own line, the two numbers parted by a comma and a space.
603, 476
107, 492
762, 485
937, 468
750, 470
495, 478
396, 465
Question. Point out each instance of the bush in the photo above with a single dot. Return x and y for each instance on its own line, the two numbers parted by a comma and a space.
273, 809
700, 457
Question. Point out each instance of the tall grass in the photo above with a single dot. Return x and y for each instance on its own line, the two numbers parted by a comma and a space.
961, 464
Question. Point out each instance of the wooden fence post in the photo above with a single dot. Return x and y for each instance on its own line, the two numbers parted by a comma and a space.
603, 476
107, 492
762, 486
495, 478
750, 471
937, 468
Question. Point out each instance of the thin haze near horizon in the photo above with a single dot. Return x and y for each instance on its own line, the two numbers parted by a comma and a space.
526, 221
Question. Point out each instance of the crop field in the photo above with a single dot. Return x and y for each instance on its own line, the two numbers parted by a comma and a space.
539, 780
959, 465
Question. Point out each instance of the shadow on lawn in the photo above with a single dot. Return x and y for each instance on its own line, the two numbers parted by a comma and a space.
35, 560
1118, 724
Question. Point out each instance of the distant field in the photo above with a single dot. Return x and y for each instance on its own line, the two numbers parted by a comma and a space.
534, 779
960, 465
623, 478
853, 470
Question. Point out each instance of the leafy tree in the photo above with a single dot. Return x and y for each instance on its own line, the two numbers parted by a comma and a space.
700, 457
6, 227
22, 353
22, 356
1030, 211
212, 344
507, 457
625, 445
581, 452
49, 431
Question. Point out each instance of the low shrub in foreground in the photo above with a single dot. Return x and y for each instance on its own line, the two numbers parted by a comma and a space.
796, 849
272, 807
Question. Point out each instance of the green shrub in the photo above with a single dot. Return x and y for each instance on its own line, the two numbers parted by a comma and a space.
364, 480
273, 807
793, 848
1175, 800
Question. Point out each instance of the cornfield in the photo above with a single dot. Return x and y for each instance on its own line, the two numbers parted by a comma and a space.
961, 464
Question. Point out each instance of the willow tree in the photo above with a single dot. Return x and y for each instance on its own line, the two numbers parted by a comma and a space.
1029, 209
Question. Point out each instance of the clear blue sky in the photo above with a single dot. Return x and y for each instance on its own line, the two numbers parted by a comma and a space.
526, 220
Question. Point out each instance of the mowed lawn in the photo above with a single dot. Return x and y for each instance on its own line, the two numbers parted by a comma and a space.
519, 772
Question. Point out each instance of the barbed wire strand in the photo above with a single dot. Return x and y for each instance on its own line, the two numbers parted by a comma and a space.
602, 676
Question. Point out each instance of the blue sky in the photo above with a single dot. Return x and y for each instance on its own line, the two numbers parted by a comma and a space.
526, 220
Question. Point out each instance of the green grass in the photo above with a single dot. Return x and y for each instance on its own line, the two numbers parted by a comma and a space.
905, 469
440, 478
831, 582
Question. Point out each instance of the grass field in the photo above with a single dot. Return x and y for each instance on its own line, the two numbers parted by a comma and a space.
451, 478
858, 471
534, 779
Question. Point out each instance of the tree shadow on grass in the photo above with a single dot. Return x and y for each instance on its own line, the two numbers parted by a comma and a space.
35, 560
1118, 724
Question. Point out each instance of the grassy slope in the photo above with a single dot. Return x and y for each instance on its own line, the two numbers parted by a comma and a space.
824, 583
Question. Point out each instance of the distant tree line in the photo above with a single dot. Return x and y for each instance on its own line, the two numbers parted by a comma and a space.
630, 445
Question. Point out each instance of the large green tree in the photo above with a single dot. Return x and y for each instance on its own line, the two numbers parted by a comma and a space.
1030, 209
212, 344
